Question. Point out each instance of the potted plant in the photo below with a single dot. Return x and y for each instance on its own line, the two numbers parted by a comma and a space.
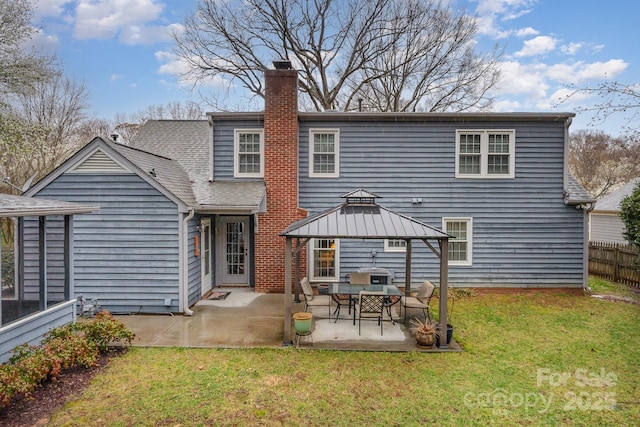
424, 331
302, 322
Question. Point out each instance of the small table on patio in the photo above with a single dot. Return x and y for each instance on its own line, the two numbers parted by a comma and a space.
349, 289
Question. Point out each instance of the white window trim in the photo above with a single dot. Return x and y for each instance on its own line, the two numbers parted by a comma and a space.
336, 172
484, 153
469, 221
388, 248
310, 261
236, 153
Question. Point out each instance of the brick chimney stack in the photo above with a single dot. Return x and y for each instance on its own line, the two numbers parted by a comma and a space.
280, 175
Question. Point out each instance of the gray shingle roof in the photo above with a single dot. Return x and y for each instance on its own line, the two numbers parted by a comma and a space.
576, 192
13, 206
169, 173
188, 141
611, 202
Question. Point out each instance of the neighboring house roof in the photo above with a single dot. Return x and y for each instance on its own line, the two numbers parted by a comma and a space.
15, 206
611, 202
188, 142
575, 192
358, 220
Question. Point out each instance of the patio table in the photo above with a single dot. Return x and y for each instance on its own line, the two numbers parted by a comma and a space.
349, 289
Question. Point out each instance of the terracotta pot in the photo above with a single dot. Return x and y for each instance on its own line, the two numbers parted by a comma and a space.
425, 339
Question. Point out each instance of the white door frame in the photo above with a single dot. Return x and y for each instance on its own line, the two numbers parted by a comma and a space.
241, 262
205, 255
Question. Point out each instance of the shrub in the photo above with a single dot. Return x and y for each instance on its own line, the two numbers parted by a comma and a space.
105, 330
75, 344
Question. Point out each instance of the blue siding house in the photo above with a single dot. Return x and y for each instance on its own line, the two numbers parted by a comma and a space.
191, 205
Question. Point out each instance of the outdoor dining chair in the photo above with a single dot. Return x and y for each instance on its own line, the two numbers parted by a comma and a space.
371, 307
346, 300
312, 300
420, 301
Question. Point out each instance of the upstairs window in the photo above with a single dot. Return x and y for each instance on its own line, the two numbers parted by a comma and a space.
248, 153
485, 154
324, 153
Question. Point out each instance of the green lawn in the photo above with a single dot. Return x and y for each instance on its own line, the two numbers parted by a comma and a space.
538, 359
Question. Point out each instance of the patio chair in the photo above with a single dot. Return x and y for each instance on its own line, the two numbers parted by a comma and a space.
371, 308
421, 300
346, 300
312, 300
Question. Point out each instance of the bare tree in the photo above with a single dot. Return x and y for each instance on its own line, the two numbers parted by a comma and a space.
601, 162
127, 125
395, 54
173, 110
614, 98
58, 106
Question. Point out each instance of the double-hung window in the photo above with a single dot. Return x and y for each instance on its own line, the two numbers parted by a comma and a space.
485, 154
324, 259
248, 153
324, 153
460, 247
395, 245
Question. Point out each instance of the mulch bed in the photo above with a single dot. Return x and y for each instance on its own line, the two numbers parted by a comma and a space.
37, 409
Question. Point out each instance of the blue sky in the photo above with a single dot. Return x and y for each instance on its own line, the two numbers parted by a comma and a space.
122, 50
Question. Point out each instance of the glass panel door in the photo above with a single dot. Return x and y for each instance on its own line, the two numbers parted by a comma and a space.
234, 245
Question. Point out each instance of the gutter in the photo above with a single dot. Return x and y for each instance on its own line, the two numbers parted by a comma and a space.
184, 270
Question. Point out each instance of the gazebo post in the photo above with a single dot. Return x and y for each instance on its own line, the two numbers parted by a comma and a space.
444, 290
287, 293
296, 276
407, 267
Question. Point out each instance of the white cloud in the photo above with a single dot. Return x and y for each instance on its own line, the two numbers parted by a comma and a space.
507, 105
581, 71
526, 32
571, 48
491, 12
176, 66
537, 46
43, 8
42, 42
568, 98
522, 80
116, 77
104, 19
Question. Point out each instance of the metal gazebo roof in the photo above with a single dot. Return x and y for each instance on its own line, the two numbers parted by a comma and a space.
359, 217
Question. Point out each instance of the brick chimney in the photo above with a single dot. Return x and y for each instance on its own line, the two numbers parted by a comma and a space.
280, 175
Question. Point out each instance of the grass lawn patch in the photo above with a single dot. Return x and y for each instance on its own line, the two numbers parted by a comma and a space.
537, 359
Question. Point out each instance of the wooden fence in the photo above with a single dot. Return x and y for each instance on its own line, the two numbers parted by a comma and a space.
614, 261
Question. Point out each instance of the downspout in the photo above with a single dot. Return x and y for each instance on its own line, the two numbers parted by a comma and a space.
565, 171
184, 270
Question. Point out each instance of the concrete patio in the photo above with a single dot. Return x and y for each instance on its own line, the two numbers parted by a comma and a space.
254, 320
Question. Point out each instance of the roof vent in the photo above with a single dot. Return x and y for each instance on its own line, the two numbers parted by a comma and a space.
282, 64
360, 197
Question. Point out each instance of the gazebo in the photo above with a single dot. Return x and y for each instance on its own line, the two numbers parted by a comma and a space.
360, 217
